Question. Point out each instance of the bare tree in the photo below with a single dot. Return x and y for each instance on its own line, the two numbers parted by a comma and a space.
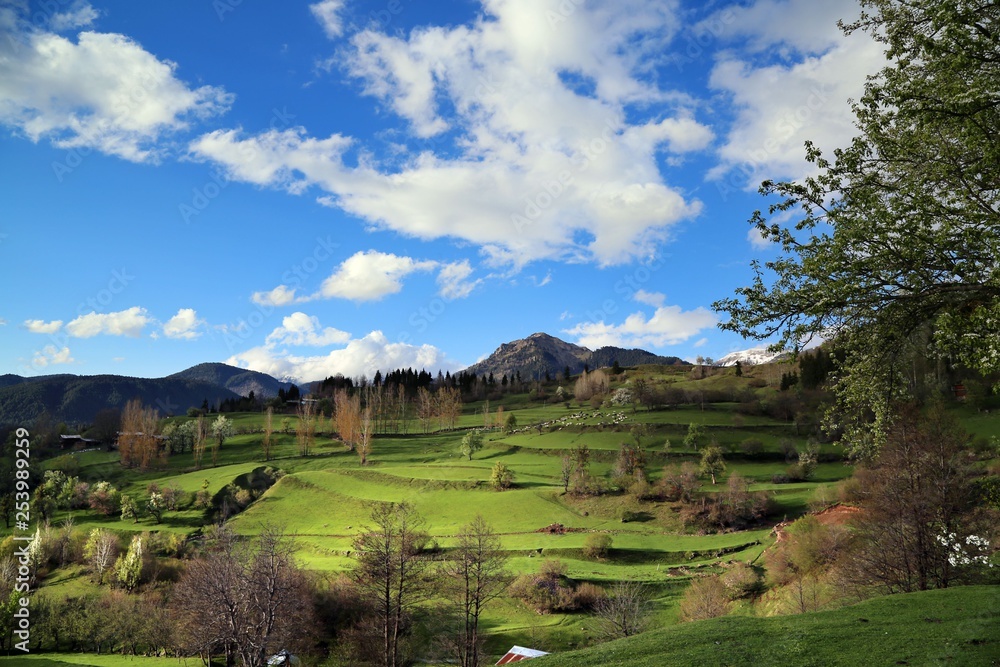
137, 441
476, 576
246, 601
918, 505
624, 611
200, 436
390, 572
348, 417
365, 435
305, 429
266, 443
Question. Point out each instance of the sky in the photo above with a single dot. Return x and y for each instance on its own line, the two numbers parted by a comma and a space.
344, 186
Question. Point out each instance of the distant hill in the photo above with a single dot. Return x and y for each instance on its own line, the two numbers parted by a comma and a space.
77, 398
606, 356
238, 380
540, 353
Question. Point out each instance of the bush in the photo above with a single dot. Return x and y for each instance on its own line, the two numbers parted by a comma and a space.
550, 590
502, 477
704, 598
597, 545
742, 581
751, 447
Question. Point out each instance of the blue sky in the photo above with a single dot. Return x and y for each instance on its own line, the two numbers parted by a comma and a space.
343, 186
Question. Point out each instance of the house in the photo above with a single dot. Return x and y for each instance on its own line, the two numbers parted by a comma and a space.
77, 441
518, 653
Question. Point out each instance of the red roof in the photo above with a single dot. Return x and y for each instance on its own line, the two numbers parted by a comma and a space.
518, 653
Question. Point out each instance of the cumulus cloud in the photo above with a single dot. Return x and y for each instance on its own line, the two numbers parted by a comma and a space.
77, 15
123, 323
791, 82
282, 295
655, 299
102, 91
360, 356
43, 327
50, 355
327, 12
453, 280
300, 329
669, 325
370, 275
757, 241
184, 325
548, 150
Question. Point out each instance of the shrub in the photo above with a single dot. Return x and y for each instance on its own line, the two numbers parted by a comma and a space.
742, 581
704, 598
502, 477
549, 590
597, 545
751, 447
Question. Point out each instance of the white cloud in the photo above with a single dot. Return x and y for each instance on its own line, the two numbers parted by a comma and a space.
791, 82
453, 280
123, 323
370, 275
757, 241
50, 355
360, 356
43, 327
669, 325
301, 329
78, 15
279, 296
103, 91
184, 325
701, 342
554, 134
655, 299
327, 12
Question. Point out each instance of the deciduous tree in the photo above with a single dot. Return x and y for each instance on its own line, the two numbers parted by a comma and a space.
893, 249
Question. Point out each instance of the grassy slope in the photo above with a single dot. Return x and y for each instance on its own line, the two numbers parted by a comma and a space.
958, 626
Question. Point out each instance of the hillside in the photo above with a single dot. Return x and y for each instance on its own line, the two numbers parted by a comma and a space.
238, 380
957, 626
77, 398
541, 353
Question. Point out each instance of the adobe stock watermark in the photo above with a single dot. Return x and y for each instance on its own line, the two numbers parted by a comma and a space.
626, 287
98, 302
108, 130
21, 614
741, 175
551, 189
236, 334
203, 195
695, 40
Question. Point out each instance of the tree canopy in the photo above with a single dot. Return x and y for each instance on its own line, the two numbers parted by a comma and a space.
894, 252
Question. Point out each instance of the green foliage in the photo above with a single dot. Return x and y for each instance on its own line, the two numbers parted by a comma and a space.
712, 462
501, 477
895, 242
130, 509
472, 442
694, 436
597, 545
128, 567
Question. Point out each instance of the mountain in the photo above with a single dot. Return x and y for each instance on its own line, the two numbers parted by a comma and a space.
608, 355
533, 356
77, 398
540, 353
751, 357
238, 380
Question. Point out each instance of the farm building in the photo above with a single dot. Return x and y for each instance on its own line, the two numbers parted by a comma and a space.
519, 653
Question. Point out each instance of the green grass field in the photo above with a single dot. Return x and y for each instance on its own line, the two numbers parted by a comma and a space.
323, 502
956, 626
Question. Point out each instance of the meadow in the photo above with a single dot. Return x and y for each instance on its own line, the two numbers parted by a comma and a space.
323, 500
